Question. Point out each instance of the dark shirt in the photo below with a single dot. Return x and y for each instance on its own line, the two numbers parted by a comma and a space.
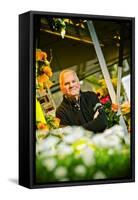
82, 113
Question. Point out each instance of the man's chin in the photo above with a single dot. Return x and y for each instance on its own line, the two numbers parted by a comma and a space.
73, 95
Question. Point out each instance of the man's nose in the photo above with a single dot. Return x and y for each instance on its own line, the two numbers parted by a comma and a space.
71, 85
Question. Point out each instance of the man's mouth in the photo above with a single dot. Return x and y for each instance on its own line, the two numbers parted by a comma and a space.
73, 89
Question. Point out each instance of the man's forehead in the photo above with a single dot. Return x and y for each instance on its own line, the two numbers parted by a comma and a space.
69, 77
69, 74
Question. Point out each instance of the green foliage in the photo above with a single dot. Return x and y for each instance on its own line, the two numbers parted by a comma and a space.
112, 117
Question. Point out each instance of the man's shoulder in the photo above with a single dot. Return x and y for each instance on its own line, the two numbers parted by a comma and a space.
88, 94
90, 98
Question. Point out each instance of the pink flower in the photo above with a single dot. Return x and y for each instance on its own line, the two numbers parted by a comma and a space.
105, 99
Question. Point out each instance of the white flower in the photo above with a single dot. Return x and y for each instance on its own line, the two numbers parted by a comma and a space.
73, 129
99, 140
87, 156
60, 172
72, 137
50, 142
107, 140
99, 175
80, 170
127, 139
107, 132
49, 152
64, 149
57, 132
67, 130
50, 164
113, 141
118, 130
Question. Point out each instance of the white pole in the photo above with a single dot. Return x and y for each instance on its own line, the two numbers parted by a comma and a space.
119, 84
102, 61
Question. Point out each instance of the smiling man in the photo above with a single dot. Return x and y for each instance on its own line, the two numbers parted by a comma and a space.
79, 108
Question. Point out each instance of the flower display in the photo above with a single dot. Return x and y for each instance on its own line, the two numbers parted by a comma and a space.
43, 82
110, 108
44, 127
111, 111
73, 153
43, 70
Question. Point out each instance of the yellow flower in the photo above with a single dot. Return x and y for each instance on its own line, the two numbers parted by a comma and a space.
102, 82
125, 107
114, 82
47, 70
102, 92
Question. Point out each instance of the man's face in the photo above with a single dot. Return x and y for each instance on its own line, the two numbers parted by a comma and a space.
70, 84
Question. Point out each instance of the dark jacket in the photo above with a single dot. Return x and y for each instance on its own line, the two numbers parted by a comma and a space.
69, 113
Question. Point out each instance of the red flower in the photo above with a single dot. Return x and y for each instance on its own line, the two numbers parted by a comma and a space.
104, 100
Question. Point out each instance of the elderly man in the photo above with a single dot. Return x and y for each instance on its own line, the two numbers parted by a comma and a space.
79, 108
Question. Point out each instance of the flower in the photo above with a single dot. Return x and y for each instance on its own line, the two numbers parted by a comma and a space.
53, 122
101, 92
115, 107
42, 78
60, 172
43, 71
100, 156
99, 175
105, 99
125, 107
40, 55
72, 137
50, 142
47, 70
87, 156
80, 170
64, 149
56, 122
48, 83
41, 125
50, 163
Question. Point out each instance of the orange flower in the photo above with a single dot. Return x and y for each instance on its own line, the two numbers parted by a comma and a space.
40, 55
42, 126
48, 84
42, 78
47, 70
115, 107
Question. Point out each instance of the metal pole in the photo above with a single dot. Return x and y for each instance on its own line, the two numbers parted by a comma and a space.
119, 84
104, 69
101, 61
